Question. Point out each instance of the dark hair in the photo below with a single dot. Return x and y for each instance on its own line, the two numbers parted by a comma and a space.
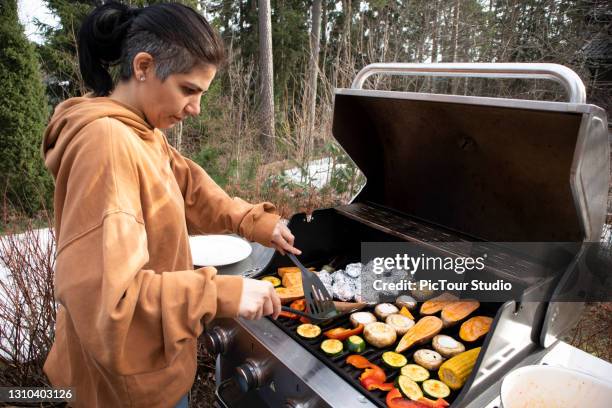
177, 37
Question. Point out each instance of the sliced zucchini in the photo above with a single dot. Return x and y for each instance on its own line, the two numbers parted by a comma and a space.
394, 360
409, 388
436, 389
273, 280
332, 347
308, 331
415, 372
355, 344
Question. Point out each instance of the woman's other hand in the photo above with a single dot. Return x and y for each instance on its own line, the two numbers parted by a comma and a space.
282, 239
258, 299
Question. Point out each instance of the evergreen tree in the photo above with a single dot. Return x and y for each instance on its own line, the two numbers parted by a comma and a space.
23, 113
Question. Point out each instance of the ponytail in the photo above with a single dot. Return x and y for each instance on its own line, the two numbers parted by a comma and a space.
100, 44
176, 36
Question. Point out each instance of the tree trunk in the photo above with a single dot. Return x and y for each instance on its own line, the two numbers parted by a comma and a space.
324, 32
266, 75
434, 42
313, 74
455, 41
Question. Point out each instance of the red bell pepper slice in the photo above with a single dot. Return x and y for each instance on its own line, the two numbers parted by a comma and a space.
374, 377
395, 399
374, 372
340, 333
372, 384
439, 403
288, 315
300, 305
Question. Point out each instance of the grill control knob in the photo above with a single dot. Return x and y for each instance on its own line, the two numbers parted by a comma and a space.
217, 340
251, 375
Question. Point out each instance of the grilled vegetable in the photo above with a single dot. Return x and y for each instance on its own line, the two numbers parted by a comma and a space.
436, 389
373, 377
308, 331
358, 361
427, 403
332, 347
288, 315
456, 311
340, 333
447, 346
355, 344
415, 372
287, 295
394, 399
394, 360
292, 279
299, 304
474, 328
409, 388
374, 373
429, 359
372, 384
400, 323
455, 372
273, 280
379, 334
405, 312
281, 271
383, 310
434, 305
362, 317
406, 301
420, 333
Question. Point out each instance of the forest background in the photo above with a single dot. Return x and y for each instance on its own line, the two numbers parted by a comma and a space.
270, 108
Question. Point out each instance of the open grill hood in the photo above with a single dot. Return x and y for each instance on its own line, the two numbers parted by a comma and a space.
493, 169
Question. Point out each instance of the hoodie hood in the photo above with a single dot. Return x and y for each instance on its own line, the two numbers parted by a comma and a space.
72, 115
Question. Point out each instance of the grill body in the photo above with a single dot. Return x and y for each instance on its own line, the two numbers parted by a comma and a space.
441, 169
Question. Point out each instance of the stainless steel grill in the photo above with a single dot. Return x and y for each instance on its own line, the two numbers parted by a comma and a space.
440, 169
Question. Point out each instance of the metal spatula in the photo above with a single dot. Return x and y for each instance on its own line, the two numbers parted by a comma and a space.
319, 303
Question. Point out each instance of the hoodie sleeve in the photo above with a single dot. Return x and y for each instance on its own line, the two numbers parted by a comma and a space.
208, 209
129, 318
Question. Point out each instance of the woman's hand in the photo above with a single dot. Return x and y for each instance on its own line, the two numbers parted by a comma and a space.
282, 239
258, 299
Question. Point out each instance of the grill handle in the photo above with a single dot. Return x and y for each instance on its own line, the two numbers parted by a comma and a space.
566, 77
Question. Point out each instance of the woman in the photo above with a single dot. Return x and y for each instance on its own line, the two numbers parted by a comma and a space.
131, 305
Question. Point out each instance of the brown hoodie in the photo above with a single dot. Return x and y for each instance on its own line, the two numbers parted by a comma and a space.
130, 303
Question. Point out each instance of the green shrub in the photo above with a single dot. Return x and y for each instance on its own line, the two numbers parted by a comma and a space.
23, 113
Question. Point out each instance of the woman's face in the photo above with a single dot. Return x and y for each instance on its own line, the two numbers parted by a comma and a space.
166, 103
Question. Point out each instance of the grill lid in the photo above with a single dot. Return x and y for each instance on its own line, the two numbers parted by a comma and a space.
495, 169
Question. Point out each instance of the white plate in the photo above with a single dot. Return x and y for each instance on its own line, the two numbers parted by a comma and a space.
218, 250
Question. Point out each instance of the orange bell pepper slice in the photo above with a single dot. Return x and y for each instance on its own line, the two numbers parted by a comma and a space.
358, 361
340, 333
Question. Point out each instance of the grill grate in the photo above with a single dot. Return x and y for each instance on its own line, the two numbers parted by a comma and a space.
351, 374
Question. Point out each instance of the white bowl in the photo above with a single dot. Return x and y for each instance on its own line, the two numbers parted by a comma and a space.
543, 386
